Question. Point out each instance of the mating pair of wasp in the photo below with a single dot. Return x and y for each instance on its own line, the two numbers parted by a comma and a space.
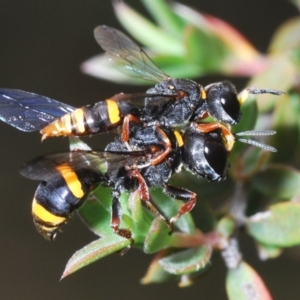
150, 148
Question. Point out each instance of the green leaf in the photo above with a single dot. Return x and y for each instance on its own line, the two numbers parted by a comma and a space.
156, 39
158, 237
94, 251
187, 261
243, 283
197, 53
277, 227
164, 16
96, 215
278, 181
141, 217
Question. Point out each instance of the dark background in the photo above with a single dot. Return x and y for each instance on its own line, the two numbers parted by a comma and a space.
42, 44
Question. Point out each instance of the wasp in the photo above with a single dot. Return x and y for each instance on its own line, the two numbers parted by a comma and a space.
155, 154
29, 112
188, 101
66, 181
171, 102
32, 112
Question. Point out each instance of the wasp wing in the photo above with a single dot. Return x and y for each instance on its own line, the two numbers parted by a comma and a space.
142, 100
45, 167
126, 53
28, 111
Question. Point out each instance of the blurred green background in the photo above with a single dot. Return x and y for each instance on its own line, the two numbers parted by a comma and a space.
42, 46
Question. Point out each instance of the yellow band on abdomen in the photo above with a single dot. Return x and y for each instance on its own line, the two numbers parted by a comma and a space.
40, 212
113, 111
71, 179
78, 120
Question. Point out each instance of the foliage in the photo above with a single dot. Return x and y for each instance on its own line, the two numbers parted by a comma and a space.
261, 194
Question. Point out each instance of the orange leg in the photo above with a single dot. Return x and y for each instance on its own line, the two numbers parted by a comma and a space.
208, 127
126, 124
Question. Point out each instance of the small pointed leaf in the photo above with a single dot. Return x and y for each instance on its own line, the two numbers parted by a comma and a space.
158, 237
187, 261
156, 39
94, 251
162, 13
141, 217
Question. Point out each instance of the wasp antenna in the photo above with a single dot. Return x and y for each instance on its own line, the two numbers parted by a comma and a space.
256, 133
258, 144
264, 91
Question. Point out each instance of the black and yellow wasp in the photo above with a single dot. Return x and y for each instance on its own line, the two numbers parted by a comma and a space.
145, 155
170, 103
190, 101
155, 154
32, 112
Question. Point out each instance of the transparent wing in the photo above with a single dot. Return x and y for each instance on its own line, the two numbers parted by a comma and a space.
28, 111
45, 167
145, 99
127, 54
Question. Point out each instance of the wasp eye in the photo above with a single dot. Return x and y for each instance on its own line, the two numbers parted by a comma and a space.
231, 105
217, 157
224, 106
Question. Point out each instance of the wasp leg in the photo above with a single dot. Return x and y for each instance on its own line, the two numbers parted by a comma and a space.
116, 215
126, 126
166, 143
187, 196
145, 196
208, 127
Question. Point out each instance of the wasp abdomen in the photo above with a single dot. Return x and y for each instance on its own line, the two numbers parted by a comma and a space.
57, 198
90, 119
